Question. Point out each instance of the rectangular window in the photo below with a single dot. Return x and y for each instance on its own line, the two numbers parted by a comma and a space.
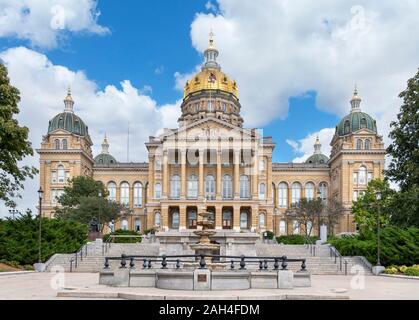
370, 176
54, 177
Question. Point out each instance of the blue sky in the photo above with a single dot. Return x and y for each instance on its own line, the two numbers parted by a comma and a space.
295, 62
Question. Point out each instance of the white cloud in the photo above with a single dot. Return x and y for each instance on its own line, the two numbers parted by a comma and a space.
277, 49
305, 147
45, 22
159, 70
210, 6
43, 86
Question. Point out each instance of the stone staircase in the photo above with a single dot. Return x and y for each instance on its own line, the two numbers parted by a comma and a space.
321, 263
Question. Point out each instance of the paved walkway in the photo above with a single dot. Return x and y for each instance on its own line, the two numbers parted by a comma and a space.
41, 286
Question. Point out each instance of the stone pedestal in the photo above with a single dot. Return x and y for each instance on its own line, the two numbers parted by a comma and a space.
39, 267
202, 279
285, 279
106, 277
121, 277
376, 270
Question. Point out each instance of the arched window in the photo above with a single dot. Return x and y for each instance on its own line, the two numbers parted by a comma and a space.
310, 191
262, 191
262, 165
112, 191
244, 220
283, 195
64, 144
175, 220
192, 219
227, 187
346, 127
175, 187
125, 193
210, 187
323, 192
367, 144
282, 227
193, 186
262, 221
363, 123
57, 144
61, 173
227, 219
157, 220
138, 194
157, 190
124, 224
359, 144
296, 193
362, 175
244, 187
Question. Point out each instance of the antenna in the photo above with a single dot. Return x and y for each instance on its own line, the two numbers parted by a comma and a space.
128, 144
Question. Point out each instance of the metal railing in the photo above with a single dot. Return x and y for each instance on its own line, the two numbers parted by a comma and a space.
310, 246
334, 253
177, 261
78, 256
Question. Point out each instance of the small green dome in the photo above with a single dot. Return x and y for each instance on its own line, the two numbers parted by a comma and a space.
354, 122
317, 159
105, 158
68, 121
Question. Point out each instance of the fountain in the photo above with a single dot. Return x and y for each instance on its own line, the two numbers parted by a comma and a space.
204, 246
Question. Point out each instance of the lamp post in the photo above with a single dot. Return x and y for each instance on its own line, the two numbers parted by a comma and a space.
318, 214
100, 207
13, 212
378, 197
40, 194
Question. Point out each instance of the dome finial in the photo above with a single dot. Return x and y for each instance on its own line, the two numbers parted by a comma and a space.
211, 54
68, 101
211, 40
317, 146
105, 145
355, 101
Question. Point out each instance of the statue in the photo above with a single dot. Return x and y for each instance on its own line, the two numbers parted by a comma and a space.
93, 225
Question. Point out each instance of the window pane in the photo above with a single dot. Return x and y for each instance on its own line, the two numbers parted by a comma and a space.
283, 195
310, 191
138, 194
262, 191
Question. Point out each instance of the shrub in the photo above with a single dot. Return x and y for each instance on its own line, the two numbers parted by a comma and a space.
412, 271
147, 231
391, 270
269, 234
294, 239
121, 232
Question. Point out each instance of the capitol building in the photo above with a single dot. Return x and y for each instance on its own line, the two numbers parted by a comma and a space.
213, 163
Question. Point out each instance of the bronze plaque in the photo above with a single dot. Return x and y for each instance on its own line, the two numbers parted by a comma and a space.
202, 278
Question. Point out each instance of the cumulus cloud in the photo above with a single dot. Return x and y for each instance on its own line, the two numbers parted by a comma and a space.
278, 49
43, 86
305, 147
44, 23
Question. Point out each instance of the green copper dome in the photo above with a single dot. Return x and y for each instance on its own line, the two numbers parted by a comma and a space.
354, 122
317, 159
68, 121
105, 159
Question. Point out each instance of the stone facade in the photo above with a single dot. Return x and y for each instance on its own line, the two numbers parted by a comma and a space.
211, 162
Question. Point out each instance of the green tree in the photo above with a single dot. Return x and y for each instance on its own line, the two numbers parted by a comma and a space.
404, 149
331, 215
84, 199
367, 208
306, 213
14, 144
405, 208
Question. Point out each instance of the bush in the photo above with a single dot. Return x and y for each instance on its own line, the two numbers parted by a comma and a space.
398, 246
269, 234
147, 231
294, 239
412, 271
121, 232
19, 238
391, 270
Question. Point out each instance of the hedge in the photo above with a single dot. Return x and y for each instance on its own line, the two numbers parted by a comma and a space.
121, 232
294, 239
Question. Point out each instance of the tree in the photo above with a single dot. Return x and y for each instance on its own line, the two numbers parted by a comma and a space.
404, 149
14, 144
332, 214
367, 208
306, 213
405, 208
81, 202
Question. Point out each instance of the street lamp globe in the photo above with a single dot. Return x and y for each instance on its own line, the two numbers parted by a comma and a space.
378, 195
40, 193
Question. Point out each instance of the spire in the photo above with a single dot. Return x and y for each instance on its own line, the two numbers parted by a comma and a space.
211, 54
355, 101
68, 101
317, 146
105, 145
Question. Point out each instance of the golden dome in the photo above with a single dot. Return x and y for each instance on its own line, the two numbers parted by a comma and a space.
210, 77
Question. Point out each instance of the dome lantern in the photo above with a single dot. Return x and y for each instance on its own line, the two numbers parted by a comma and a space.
68, 102
211, 55
355, 101
317, 146
105, 145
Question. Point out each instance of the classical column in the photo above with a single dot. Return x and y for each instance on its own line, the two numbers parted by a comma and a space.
254, 218
151, 177
219, 178
165, 176
201, 174
165, 217
182, 218
268, 188
255, 177
183, 174
218, 217
236, 174
269, 219
236, 218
